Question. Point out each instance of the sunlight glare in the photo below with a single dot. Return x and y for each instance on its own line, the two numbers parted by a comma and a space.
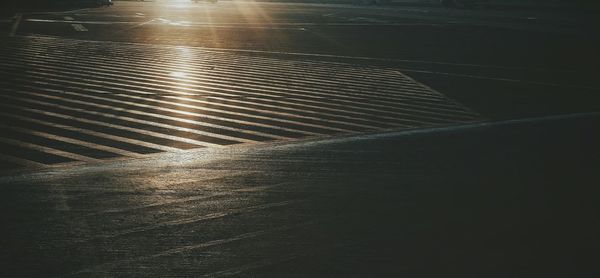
178, 74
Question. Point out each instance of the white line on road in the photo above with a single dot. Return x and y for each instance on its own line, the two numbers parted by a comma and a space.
320, 55
241, 25
47, 150
15, 26
79, 28
73, 141
538, 83
20, 161
433, 130
68, 18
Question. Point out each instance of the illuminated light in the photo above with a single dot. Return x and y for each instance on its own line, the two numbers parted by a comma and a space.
179, 74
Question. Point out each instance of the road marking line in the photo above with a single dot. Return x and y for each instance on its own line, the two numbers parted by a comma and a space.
331, 14
156, 146
295, 92
173, 138
16, 22
222, 67
48, 150
314, 97
268, 67
298, 119
75, 141
79, 28
233, 50
442, 129
136, 112
256, 77
88, 131
21, 161
277, 25
181, 112
249, 115
498, 79
403, 109
68, 18
198, 108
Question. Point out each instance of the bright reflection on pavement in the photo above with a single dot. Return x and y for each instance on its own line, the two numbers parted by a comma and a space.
179, 74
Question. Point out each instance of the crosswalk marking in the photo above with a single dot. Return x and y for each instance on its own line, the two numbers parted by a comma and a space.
133, 119
20, 161
115, 126
90, 132
75, 141
48, 150
126, 101
79, 28
157, 78
435, 113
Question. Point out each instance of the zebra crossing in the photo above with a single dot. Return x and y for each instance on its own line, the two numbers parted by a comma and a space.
71, 102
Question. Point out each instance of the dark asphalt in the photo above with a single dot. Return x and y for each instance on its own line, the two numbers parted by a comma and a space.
245, 139
82, 73
532, 57
166, 98
491, 200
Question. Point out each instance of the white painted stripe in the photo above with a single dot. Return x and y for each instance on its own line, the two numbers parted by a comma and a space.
233, 121
131, 129
301, 54
16, 21
20, 161
549, 84
47, 150
98, 74
399, 91
391, 108
185, 113
206, 81
177, 128
275, 113
387, 84
247, 115
224, 111
62, 12
271, 25
68, 18
308, 74
79, 27
258, 84
75, 142
434, 130
86, 131
453, 111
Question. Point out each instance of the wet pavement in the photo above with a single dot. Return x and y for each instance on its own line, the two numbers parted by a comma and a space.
170, 139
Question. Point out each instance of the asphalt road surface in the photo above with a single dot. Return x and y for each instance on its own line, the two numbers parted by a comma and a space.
181, 139
512, 199
145, 77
